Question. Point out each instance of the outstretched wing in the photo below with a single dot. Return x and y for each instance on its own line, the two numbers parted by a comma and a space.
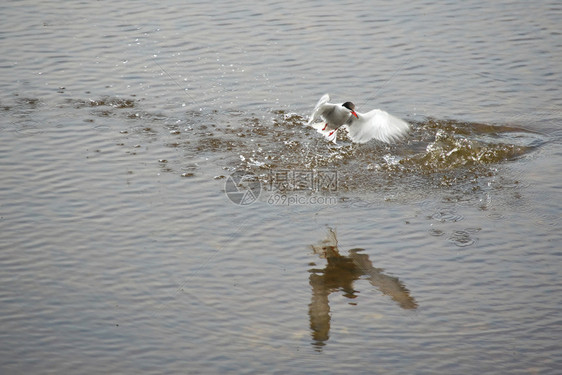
316, 112
378, 125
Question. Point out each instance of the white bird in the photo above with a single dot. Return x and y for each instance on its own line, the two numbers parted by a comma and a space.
362, 127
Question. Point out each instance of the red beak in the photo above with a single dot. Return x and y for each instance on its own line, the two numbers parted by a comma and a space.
354, 114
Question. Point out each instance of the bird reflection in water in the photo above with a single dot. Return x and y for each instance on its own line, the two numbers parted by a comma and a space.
338, 275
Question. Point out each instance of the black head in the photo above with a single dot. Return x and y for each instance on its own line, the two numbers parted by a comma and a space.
351, 107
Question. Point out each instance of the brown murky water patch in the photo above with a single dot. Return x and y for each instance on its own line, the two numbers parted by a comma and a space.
437, 153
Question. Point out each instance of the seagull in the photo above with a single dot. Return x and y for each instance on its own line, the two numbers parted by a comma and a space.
362, 127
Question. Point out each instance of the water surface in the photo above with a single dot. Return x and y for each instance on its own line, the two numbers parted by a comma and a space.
121, 252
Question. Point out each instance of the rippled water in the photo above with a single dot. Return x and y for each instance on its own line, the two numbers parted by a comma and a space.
122, 125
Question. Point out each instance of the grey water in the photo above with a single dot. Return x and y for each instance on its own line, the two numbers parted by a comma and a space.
165, 209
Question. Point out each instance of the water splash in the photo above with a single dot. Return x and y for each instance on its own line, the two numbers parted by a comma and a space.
437, 153
462, 156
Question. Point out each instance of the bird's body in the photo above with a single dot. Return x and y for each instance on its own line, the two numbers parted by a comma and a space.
362, 127
335, 115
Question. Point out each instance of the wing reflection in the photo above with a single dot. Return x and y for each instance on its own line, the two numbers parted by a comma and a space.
338, 275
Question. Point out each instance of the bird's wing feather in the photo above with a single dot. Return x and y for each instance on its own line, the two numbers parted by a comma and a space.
317, 110
379, 125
